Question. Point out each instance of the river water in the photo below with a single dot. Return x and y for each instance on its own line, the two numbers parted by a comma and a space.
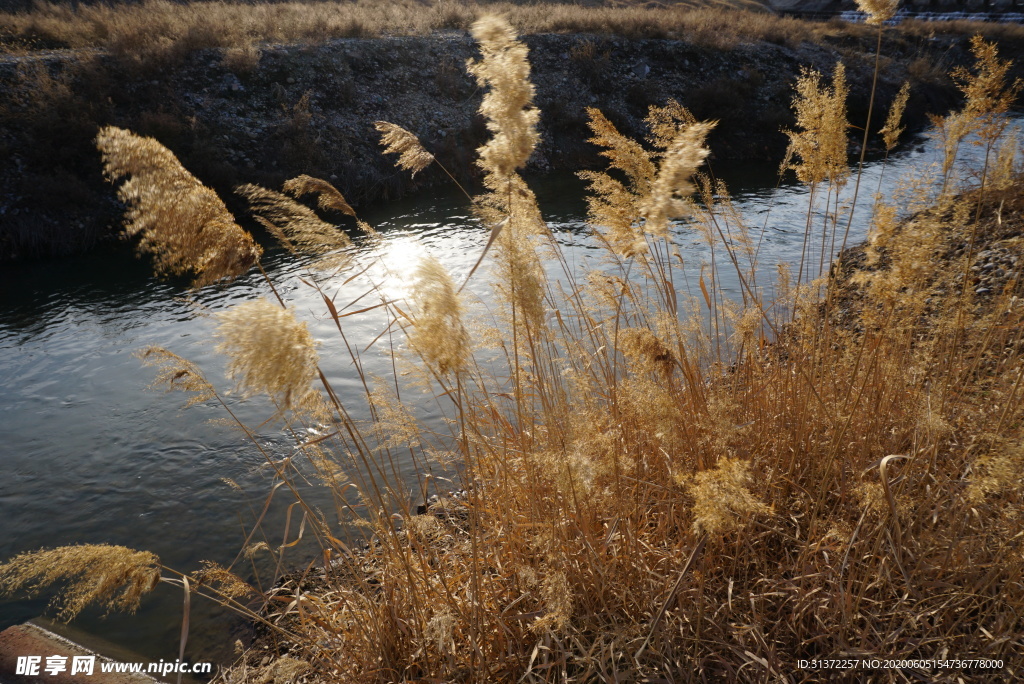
90, 455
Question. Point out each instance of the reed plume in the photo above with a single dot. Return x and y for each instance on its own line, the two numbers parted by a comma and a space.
665, 122
222, 580
819, 147
1006, 169
681, 159
111, 576
394, 423
623, 153
878, 11
438, 334
396, 140
508, 103
999, 470
988, 98
269, 352
510, 206
612, 207
177, 374
611, 204
296, 226
328, 196
646, 350
722, 498
182, 223
892, 130
656, 182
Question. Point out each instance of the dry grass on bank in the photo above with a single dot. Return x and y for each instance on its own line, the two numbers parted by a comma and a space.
165, 31
991, 31
655, 487
172, 28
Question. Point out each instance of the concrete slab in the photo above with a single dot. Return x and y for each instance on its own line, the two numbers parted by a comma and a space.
35, 641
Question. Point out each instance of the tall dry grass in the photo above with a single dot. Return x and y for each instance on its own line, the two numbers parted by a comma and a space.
160, 30
655, 488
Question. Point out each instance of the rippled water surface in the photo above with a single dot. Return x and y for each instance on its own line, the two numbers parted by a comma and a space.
89, 455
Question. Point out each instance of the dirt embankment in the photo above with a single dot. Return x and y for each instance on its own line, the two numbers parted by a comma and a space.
264, 116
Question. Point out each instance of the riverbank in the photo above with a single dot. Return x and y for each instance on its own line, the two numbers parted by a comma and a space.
275, 111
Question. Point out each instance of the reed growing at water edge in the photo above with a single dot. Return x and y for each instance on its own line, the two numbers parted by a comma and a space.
652, 486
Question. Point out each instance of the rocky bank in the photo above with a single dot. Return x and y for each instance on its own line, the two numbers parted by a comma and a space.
262, 116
